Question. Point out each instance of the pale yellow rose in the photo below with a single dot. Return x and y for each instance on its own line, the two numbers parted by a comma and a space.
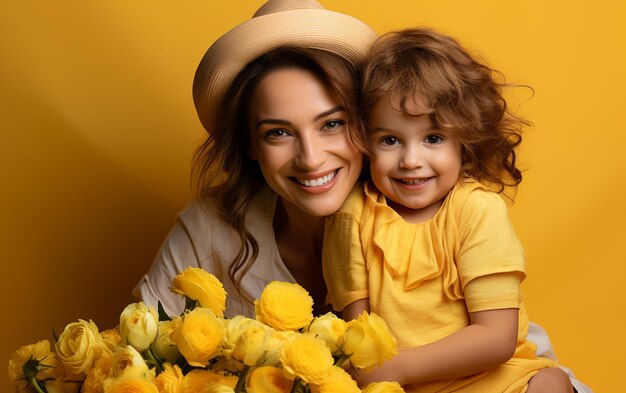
41, 358
97, 375
138, 325
200, 285
338, 381
127, 361
199, 337
171, 380
308, 358
384, 387
275, 345
164, 346
329, 328
368, 341
129, 384
79, 346
246, 341
284, 306
268, 379
195, 380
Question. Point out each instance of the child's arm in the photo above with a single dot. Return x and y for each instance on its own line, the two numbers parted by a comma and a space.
355, 309
489, 341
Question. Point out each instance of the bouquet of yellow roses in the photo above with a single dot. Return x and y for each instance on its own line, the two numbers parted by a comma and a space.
285, 349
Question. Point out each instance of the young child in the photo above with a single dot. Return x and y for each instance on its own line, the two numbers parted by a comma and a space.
427, 243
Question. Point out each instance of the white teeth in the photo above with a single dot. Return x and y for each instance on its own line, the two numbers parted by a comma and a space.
413, 181
317, 182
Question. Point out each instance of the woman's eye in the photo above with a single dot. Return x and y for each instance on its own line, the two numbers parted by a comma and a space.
434, 139
333, 124
389, 140
275, 133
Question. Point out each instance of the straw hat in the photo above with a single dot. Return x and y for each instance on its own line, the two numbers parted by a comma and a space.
300, 23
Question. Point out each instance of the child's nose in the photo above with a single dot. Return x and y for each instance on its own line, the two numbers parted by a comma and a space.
411, 158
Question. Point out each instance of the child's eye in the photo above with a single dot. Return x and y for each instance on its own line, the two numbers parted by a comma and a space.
333, 124
434, 139
389, 140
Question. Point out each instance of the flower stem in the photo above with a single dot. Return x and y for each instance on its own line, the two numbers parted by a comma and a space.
153, 359
298, 386
241, 382
35, 384
341, 360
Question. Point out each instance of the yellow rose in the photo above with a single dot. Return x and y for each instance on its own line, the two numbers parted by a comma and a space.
59, 386
164, 346
329, 328
368, 341
199, 337
79, 346
200, 285
41, 358
171, 380
268, 379
284, 306
216, 387
195, 380
97, 375
138, 325
383, 387
127, 361
307, 357
246, 341
129, 384
338, 381
111, 338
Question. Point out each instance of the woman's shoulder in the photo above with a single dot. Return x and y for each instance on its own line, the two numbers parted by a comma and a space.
205, 212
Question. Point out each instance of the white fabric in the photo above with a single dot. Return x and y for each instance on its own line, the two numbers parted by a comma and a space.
539, 336
200, 238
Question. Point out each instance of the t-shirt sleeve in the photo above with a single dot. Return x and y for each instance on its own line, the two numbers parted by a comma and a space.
176, 254
344, 267
491, 259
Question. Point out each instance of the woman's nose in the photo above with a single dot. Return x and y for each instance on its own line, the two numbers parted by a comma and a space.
311, 154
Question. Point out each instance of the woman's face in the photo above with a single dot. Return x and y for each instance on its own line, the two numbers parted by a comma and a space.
299, 135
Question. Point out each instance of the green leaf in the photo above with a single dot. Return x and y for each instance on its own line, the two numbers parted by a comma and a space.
55, 336
162, 314
190, 304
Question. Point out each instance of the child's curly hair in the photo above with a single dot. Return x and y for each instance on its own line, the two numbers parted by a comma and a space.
459, 93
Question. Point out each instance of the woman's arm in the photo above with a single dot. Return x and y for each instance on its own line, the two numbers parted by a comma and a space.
487, 342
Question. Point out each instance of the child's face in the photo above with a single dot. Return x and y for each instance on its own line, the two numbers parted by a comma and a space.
415, 165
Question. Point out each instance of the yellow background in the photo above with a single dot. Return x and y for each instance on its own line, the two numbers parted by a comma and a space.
98, 127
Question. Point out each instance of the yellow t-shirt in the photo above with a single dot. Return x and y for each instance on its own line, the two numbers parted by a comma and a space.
424, 279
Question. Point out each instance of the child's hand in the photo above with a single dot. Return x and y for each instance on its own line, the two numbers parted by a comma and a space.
379, 374
550, 380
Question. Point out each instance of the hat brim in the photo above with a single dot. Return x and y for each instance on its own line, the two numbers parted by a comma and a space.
322, 29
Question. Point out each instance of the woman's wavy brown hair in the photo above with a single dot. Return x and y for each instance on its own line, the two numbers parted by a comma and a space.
224, 174
458, 92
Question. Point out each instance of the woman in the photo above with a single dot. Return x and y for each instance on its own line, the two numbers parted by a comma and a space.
295, 140
278, 158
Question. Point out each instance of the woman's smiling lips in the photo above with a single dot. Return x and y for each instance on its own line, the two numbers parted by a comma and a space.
317, 183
